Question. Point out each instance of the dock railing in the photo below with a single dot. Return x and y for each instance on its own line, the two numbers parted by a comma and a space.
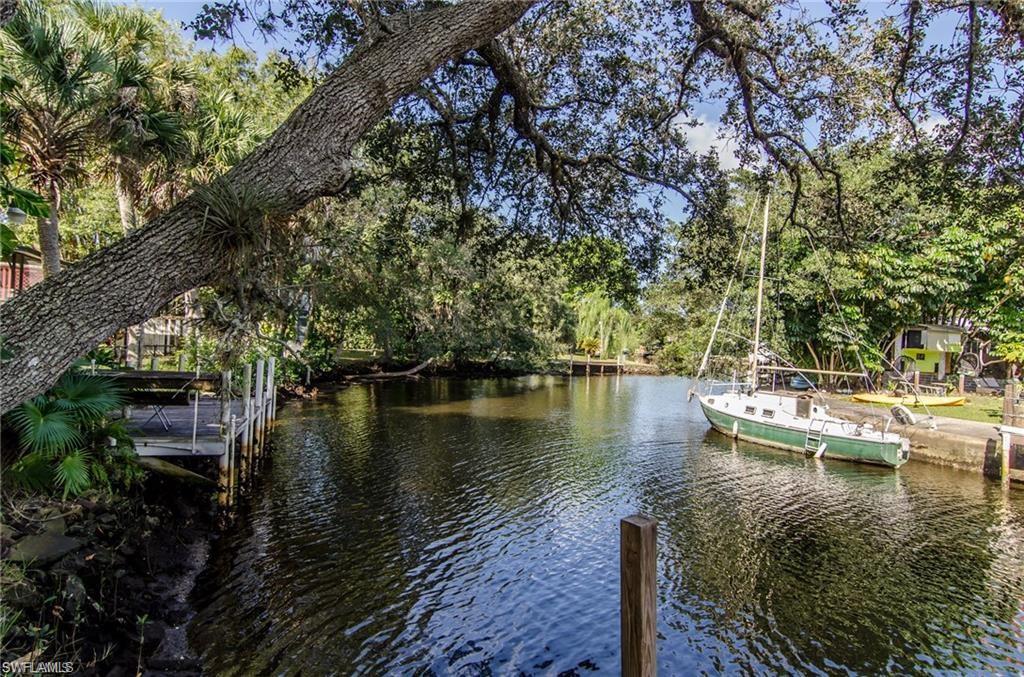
241, 415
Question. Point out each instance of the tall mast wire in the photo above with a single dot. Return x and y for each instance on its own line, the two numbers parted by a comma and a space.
725, 297
760, 294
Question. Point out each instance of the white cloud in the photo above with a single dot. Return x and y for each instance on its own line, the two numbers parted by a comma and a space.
931, 123
706, 136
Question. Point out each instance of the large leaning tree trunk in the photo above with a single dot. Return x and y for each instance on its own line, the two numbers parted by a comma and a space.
51, 324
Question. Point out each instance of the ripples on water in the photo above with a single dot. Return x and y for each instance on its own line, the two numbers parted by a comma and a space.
471, 527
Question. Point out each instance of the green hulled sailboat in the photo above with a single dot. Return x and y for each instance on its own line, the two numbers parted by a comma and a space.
798, 423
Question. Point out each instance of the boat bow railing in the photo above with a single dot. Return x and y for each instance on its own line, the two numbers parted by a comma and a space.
720, 387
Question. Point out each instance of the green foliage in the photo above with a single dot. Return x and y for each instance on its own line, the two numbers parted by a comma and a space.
413, 289
63, 436
915, 244
600, 320
102, 355
45, 428
72, 472
600, 264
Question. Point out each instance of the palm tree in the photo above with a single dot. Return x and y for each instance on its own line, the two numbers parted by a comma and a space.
219, 133
57, 432
58, 74
141, 121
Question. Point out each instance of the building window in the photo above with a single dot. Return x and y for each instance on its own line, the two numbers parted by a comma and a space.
913, 338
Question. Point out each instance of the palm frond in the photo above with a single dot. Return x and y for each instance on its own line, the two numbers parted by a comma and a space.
44, 428
87, 397
72, 473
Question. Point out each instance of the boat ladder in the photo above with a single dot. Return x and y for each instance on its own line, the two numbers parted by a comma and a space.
812, 442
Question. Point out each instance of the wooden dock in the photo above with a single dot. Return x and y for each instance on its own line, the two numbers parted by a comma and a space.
184, 414
171, 433
584, 365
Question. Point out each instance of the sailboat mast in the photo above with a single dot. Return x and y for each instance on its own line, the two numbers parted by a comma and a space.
760, 295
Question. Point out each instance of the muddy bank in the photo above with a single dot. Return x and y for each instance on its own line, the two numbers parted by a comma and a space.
102, 584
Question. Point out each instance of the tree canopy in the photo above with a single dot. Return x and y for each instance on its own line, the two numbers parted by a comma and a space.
568, 125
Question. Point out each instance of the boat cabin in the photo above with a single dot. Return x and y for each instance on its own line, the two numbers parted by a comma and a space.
775, 405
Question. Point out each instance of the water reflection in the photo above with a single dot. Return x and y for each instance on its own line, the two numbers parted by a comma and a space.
466, 526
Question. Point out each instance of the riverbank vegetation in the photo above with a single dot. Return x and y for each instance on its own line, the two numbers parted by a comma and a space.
483, 183
479, 222
913, 242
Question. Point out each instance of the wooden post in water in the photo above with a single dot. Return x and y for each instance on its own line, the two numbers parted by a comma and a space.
245, 453
257, 414
271, 392
570, 364
1009, 400
224, 462
1010, 419
638, 577
232, 432
588, 364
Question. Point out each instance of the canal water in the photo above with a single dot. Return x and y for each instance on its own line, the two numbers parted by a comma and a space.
471, 527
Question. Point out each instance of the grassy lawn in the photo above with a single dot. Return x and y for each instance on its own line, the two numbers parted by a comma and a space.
984, 408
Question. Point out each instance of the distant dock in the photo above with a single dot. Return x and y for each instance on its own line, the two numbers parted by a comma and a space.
583, 365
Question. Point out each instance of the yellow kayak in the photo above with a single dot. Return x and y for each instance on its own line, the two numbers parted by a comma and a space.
912, 401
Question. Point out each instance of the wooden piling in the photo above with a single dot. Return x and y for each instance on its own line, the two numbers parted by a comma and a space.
181, 361
570, 364
154, 362
245, 452
638, 589
224, 463
588, 364
1009, 404
917, 379
257, 417
232, 481
271, 392
960, 388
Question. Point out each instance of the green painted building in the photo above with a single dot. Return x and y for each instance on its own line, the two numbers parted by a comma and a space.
931, 348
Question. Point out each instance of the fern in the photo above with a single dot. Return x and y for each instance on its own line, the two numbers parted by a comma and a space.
32, 472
